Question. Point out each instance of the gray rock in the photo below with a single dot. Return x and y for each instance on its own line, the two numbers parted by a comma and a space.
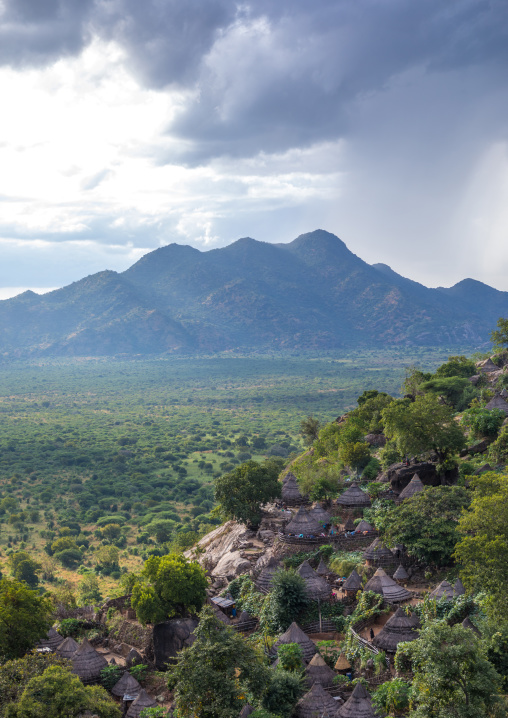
170, 637
134, 658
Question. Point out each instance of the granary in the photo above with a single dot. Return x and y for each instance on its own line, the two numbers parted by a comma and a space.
387, 587
137, 706
399, 627
288, 476
294, 634
458, 588
364, 526
444, 590
126, 686
354, 498
317, 702
264, 580
349, 524
401, 574
87, 663
487, 366
318, 671
67, 648
322, 517
497, 402
291, 493
322, 570
303, 524
51, 641
352, 584
358, 705
377, 554
342, 665
316, 587
414, 487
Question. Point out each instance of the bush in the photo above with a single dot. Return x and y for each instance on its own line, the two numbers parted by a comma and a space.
110, 676
498, 451
71, 627
284, 690
372, 469
483, 422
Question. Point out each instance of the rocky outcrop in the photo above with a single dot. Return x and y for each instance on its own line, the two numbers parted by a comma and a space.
231, 565
170, 637
399, 475
377, 440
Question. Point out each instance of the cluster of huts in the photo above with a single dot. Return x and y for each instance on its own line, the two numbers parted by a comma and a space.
87, 664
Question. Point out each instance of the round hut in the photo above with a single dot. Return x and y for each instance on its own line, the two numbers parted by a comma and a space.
390, 590
316, 587
142, 701
444, 590
342, 665
316, 702
398, 628
349, 524
377, 554
322, 570
302, 524
354, 498
497, 403
126, 686
67, 648
289, 476
322, 517
52, 640
318, 671
415, 486
401, 574
352, 584
87, 663
358, 705
294, 634
364, 526
264, 580
458, 588
291, 493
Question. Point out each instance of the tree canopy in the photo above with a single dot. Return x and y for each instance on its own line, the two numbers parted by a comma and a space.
499, 336
241, 492
25, 617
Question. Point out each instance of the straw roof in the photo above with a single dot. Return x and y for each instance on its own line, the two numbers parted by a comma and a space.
322, 569
400, 574
318, 671
398, 628
264, 580
466, 623
294, 634
353, 582
317, 512
349, 524
364, 526
291, 492
444, 590
316, 587
87, 663
488, 365
52, 640
289, 476
378, 552
415, 486
387, 587
142, 701
497, 402
317, 702
458, 588
67, 648
126, 686
354, 496
303, 523
342, 663
358, 705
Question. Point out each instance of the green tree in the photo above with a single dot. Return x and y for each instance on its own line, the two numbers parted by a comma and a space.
170, 585
112, 531
108, 556
214, 676
283, 691
457, 366
288, 598
483, 422
24, 568
456, 391
89, 593
25, 617
309, 429
369, 410
423, 425
498, 450
427, 523
356, 455
162, 529
290, 657
15, 674
241, 492
392, 697
499, 336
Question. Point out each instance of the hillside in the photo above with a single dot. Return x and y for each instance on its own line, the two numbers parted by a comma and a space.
312, 294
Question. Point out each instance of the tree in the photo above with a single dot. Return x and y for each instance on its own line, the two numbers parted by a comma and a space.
483, 548
108, 556
283, 690
15, 674
423, 425
452, 676
24, 568
213, 676
427, 523
288, 598
370, 405
170, 585
112, 531
392, 697
356, 455
309, 429
457, 366
25, 617
242, 491
88, 590
455, 390
483, 422
499, 336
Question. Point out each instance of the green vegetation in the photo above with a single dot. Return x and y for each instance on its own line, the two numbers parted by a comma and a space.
241, 492
24, 618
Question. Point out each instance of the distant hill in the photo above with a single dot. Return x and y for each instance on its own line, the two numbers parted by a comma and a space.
311, 294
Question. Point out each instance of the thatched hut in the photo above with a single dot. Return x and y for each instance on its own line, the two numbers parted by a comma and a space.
87, 663
349, 524
352, 584
487, 366
322, 570
142, 701
294, 634
458, 588
358, 705
316, 702
289, 476
377, 554
497, 402
342, 664
354, 498
414, 487
303, 524
291, 493
390, 590
318, 671
264, 580
320, 515
401, 574
126, 686
67, 648
52, 640
316, 587
444, 590
364, 526
467, 623
398, 628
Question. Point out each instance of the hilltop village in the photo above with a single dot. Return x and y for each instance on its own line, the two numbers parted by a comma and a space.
366, 579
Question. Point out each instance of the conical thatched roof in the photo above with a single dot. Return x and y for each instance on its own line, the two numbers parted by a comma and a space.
318, 671
400, 574
87, 663
458, 588
487, 365
378, 552
289, 476
354, 496
387, 587
322, 517
444, 590
466, 623
358, 705
342, 663
52, 640
126, 686
67, 648
415, 486
264, 580
294, 634
291, 492
317, 702
303, 523
353, 582
349, 524
364, 526
398, 628
322, 569
316, 587
497, 402
142, 701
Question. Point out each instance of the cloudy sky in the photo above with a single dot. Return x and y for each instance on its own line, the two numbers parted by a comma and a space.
127, 125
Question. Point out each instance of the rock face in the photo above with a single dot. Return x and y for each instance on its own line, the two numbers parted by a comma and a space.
400, 475
218, 543
231, 565
170, 637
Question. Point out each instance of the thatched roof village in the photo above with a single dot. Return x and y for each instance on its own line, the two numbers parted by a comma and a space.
317, 702
399, 627
294, 634
318, 671
354, 497
316, 586
303, 523
87, 663
358, 705
414, 487
390, 590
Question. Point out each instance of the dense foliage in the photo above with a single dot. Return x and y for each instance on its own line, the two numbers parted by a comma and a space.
241, 492
25, 617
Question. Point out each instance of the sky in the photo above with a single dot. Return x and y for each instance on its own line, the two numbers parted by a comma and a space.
128, 125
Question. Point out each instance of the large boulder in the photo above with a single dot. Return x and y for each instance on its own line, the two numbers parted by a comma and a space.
399, 475
231, 565
170, 637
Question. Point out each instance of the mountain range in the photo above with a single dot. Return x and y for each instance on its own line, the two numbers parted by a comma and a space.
312, 294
